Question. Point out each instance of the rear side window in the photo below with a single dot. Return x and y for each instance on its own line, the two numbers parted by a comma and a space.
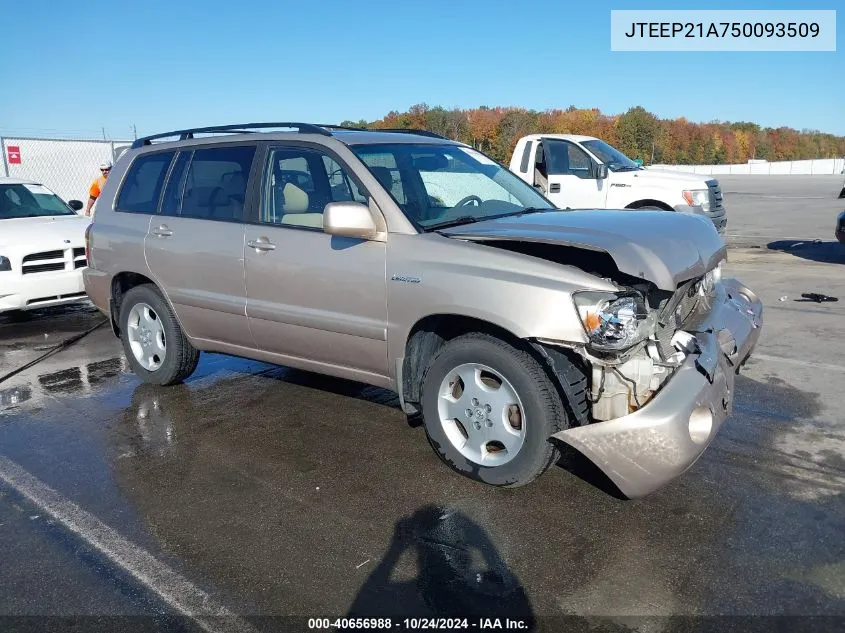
214, 186
142, 186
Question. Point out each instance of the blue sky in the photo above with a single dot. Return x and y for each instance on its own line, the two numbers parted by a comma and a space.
75, 67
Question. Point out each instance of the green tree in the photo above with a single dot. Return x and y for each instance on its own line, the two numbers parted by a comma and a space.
514, 125
637, 130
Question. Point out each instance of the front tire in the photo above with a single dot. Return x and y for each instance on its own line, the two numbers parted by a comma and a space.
153, 341
489, 409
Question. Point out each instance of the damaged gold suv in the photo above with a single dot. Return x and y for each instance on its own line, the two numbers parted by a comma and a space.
405, 260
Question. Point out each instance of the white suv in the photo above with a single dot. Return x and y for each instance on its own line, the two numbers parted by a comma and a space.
42, 247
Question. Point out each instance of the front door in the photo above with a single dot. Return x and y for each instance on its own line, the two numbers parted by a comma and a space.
195, 246
570, 180
312, 297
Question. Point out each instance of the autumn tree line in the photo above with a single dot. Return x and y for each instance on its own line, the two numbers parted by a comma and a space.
638, 133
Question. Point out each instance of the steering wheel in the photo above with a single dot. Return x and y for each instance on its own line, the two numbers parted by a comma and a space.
465, 201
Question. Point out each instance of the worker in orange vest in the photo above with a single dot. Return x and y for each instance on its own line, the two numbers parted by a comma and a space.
96, 187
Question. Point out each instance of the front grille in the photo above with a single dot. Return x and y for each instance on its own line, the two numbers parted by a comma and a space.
53, 261
38, 257
43, 268
714, 192
79, 259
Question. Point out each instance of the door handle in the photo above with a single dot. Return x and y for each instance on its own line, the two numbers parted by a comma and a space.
162, 231
261, 244
555, 188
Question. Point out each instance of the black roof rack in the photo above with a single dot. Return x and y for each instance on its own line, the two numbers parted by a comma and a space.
304, 128
398, 130
332, 126
239, 128
408, 130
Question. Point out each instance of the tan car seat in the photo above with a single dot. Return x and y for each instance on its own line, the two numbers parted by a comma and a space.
295, 208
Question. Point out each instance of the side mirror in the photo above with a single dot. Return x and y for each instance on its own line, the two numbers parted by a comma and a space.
76, 205
349, 219
601, 172
639, 162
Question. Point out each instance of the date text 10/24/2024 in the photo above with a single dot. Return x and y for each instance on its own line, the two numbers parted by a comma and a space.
418, 624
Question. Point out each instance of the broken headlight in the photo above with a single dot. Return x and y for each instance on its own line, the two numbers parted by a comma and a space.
711, 280
614, 321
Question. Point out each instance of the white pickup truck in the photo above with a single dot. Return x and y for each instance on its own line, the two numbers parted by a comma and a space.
582, 172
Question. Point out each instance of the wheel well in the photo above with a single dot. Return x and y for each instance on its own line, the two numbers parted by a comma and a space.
428, 336
433, 332
639, 204
120, 285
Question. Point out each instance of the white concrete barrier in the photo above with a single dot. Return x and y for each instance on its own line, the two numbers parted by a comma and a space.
817, 166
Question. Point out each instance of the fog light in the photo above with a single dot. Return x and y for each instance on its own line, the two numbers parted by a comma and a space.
700, 425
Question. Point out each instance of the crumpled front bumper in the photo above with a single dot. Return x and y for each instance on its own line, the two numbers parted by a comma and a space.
644, 450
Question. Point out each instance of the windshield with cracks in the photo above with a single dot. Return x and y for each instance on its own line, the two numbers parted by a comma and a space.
446, 185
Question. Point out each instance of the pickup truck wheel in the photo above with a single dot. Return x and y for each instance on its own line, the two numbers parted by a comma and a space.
153, 340
489, 409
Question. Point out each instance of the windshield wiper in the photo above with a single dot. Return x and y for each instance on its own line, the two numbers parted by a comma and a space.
628, 168
531, 210
445, 224
469, 219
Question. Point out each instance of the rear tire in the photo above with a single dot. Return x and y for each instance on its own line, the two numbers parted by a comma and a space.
155, 345
489, 409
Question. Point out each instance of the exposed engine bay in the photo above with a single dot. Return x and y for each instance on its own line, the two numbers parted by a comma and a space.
623, 383
638, 336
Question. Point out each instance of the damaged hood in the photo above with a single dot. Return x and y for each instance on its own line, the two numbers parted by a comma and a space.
664, 247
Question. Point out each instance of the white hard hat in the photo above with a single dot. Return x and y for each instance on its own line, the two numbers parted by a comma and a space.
106, 164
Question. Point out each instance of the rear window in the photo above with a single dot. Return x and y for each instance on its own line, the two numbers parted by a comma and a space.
142, 186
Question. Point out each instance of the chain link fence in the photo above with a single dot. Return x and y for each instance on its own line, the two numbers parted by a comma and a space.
66, 166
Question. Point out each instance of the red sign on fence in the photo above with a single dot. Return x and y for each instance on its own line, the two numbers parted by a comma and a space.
14, 152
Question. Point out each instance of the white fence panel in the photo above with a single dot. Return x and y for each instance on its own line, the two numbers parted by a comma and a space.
819, 166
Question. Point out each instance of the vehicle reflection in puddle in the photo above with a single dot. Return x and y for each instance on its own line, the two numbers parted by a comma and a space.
152, 422
14, 396
77, 381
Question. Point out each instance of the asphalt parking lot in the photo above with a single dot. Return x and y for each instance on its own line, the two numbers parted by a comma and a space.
254, 493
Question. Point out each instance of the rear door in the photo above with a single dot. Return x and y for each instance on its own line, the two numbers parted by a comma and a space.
195, 246
570, 180
312, 296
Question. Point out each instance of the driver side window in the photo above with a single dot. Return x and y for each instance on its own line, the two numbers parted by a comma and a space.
300, 183
567, 159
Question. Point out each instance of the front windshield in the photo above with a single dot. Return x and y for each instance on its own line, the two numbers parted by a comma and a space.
30, 201
438, 184
610, 156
